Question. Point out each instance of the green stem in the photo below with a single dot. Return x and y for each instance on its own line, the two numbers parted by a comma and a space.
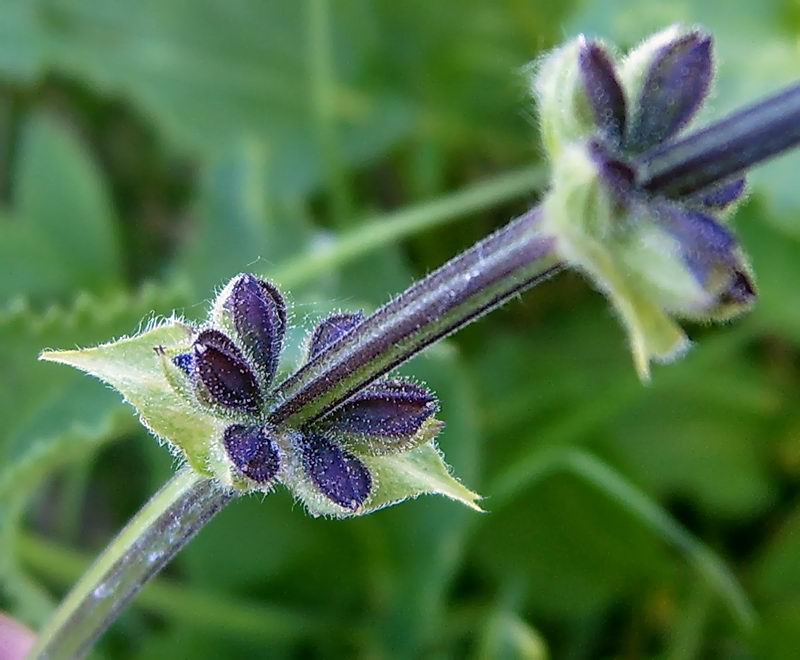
387, 228
200, 609
147, 543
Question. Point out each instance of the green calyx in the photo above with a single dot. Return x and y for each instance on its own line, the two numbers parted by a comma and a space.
656, 259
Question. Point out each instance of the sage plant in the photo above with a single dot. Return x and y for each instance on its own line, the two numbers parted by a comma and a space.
636, 202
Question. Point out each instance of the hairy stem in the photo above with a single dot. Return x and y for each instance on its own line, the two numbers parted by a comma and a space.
147, 543
476, 281
726, 148
178, 603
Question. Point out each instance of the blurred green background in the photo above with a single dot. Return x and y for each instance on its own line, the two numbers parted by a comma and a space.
150, 149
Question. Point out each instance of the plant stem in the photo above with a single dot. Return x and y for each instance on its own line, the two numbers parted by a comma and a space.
476, 281
147, 543
176, 602
726, 148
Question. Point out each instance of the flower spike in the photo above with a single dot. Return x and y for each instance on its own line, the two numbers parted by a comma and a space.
658, 257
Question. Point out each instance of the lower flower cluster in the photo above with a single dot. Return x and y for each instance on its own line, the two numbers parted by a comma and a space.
229, 369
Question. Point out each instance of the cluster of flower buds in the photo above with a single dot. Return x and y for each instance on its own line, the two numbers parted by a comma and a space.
230, 369
658, 257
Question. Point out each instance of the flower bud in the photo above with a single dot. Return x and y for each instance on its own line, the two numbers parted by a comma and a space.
674, 86
655, 258
222, 375
330, 330
565, 113
258, 314
395, 409
603, 90
252, 451
339, 475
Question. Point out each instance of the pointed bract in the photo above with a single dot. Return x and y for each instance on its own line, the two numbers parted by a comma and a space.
330, 330
674, 88
337, 474
252, 450
259, 317
223, 374
603, 89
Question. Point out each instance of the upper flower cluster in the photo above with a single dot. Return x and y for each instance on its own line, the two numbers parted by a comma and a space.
656, 257
229, 370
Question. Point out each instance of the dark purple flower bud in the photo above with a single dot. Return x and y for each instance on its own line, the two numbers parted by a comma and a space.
674, 89
259, 316
337, 474
720, 197
184, 362
712, 254
388, 409
224, 374
253, 451
330, 330
605, 94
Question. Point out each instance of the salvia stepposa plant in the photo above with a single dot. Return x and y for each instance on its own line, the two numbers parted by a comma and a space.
637, 202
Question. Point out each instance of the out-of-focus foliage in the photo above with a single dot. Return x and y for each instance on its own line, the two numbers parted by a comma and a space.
152, 149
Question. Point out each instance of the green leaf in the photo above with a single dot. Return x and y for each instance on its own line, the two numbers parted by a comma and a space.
52, 416
63, 236
206, 75
640, 507
132, 366
41, 402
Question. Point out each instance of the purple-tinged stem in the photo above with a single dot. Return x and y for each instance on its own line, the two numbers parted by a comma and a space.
724, 149
473, 283
147, 543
